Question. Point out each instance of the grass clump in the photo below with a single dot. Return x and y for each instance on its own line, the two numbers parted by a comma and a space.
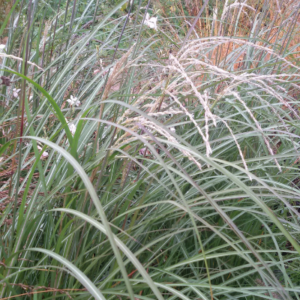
150, 160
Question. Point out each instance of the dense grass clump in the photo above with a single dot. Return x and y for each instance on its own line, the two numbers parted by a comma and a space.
150, 150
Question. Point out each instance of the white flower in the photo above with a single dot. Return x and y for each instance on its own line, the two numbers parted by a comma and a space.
151, 22
143, 151
73, 100
45, 154
2, 47
173, 129
72, 128
16, 93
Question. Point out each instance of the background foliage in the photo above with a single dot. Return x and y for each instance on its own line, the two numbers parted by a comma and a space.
181, 178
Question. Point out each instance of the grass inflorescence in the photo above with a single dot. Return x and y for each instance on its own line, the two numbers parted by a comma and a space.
149, 150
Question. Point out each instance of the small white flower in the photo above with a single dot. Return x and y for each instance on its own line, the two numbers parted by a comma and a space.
16, 93
2, 47
73, 101
151, 22
173, 129
142, 151
72, 128
45, 154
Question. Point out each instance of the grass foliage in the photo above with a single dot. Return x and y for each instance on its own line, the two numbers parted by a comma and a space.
176, 177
